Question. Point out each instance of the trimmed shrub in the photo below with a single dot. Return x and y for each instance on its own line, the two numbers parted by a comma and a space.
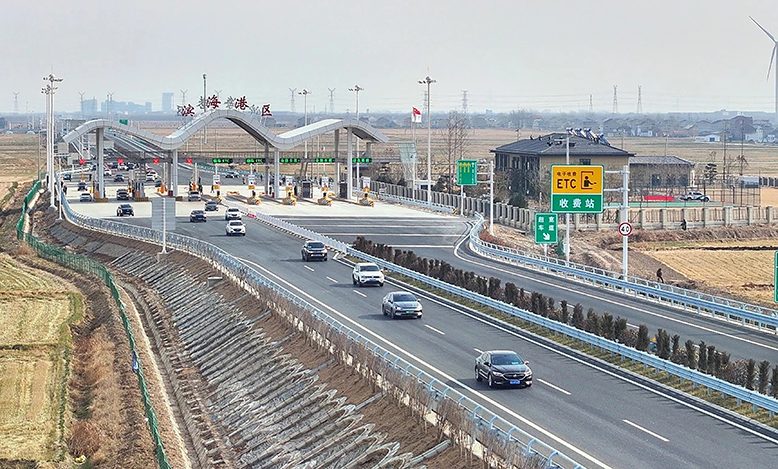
619, 327
565, 313
774, 383
691, 355
643, 340
494, 287
511, 293
675, 354
711, 365
578, 317
764, 372
592, 322
607, 327
629, 337
702, 362
750, 374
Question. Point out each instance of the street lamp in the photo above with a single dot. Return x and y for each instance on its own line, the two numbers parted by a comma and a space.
428, 81
305, 94
356, 89
49, 91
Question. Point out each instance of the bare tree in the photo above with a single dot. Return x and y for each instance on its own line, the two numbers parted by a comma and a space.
455, 140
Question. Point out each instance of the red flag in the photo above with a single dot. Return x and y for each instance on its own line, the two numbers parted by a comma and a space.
416, 112
416, 116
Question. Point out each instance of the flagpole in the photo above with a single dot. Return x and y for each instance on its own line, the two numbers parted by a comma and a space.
413, 136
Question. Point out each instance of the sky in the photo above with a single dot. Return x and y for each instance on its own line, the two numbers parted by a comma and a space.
687, 55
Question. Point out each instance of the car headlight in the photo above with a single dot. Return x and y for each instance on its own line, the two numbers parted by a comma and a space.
496, 373
397, 308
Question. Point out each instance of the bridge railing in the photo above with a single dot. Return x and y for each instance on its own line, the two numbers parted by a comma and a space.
485, 421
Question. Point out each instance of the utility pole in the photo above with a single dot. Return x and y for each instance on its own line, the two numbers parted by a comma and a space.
356, 89
291, 103
428, 81
615, 100
332, 100
49, 91
205, 108
305, 94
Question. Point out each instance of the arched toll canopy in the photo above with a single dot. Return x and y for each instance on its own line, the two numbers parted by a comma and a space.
245, 121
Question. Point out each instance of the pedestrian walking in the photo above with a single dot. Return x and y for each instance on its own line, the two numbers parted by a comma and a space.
659, 277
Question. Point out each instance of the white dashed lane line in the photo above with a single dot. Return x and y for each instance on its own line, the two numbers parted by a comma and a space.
436, 330
552, 386
660, 437
477, 350
359, 293
332, 279
309, 268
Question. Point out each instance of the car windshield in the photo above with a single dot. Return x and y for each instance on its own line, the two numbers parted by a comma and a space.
236, 223
316, 245
404, 297
233, 210
369, 268
506, 359
197, 212
125, 206
210, 202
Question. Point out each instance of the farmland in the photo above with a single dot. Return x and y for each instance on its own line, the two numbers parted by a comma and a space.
34, 343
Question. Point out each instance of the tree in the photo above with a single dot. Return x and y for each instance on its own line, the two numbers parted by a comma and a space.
643, 340
691, 355
454, 141
709, 173
774, 383
750, 374
578, 317
702, 363
764, 371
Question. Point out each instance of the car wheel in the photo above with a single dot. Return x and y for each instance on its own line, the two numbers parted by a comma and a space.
478, 375
354, 282
491, 380
381, 284
243, 234
383, 310
392, 314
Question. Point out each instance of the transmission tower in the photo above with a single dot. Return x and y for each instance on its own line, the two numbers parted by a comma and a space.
183, 97
464, 101
615, 100
81, 100
640, 99
16, 102
591, 105
291, 103
332, 100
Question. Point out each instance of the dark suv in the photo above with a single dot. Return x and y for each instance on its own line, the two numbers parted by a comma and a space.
125, 209
314, 250
197, 215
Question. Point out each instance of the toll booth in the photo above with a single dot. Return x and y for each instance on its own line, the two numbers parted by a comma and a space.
306, 189
343, 190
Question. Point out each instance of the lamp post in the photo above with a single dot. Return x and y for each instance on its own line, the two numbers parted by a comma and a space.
49, 91
305, 94
205, 108
356, 89
428, 81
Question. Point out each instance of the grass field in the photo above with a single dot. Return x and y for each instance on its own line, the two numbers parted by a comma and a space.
34, 341
18, 157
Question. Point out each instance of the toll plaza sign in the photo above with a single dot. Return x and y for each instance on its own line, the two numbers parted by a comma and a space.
576, 189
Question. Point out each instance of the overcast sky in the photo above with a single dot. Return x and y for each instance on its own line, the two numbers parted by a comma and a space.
688, 55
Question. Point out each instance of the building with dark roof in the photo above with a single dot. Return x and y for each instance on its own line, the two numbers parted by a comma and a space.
659, 172
530, 160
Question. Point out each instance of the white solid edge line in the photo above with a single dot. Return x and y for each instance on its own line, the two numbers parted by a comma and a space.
614, 302
309, 268
440, 372
478, 350
660, 437
615, 375
332, 279
436, 330
552, 386
359, 293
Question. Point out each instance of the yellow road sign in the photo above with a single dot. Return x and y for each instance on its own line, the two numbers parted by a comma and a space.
583, 179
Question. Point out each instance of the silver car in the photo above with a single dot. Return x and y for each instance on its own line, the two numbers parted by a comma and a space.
400, 304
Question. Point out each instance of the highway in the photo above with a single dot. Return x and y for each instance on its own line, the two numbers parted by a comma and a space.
594, 415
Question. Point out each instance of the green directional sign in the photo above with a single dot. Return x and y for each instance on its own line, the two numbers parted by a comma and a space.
221, 160
289, 160
324, 160
576, 188
255, 161
545, 228
467, 172
361, 159
123, 121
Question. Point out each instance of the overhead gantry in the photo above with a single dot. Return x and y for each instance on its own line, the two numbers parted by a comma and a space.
246, 121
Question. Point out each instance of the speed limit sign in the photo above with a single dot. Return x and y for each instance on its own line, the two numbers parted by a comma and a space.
625, 229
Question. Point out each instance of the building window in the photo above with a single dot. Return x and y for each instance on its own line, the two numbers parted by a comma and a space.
656, 180
585, 161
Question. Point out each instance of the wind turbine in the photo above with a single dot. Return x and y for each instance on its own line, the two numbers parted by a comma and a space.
772, 60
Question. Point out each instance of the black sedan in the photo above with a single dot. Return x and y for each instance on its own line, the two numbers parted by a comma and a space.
400, 304
118, 178
502, 367
125, 209
211, 206
158, 183
197, 215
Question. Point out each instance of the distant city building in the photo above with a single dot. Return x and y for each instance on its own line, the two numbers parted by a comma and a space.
89, 107
125, 107
167, 102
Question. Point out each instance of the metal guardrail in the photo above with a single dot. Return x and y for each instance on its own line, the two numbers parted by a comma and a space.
485, 420
764, 319
697, 378
417, 203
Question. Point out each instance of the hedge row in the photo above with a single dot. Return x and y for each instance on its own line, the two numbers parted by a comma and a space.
702, 357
